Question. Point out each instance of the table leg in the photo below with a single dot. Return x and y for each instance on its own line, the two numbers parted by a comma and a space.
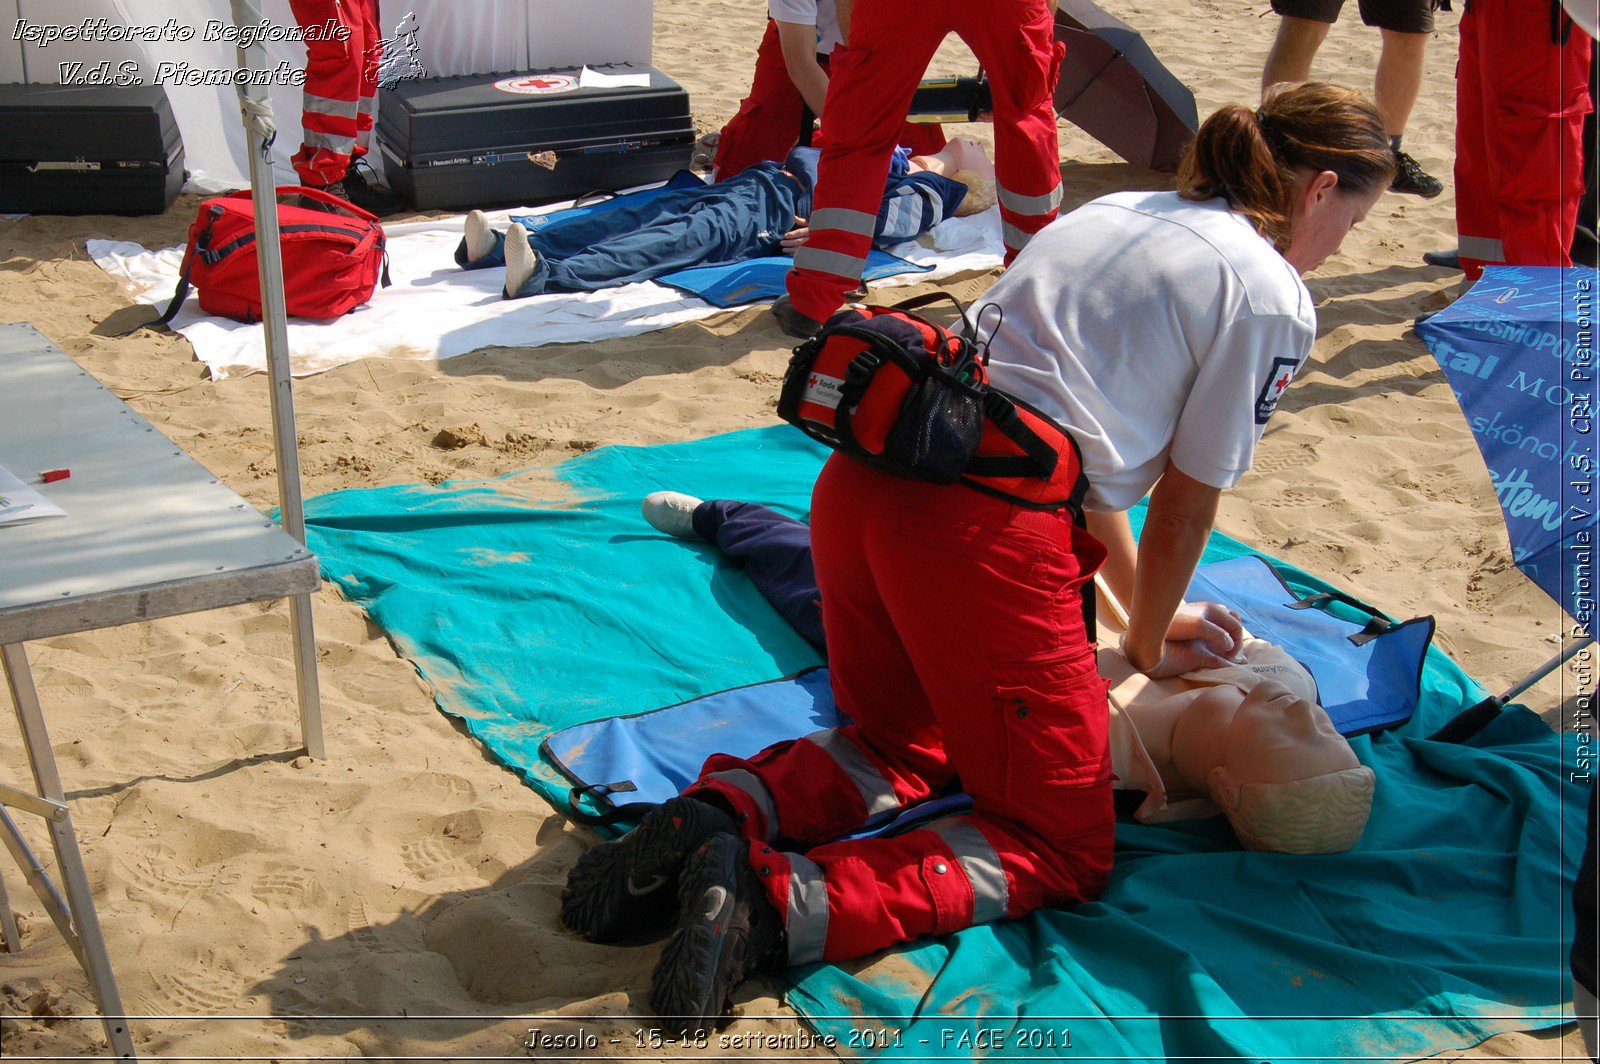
8, 921
305, 676
91, 945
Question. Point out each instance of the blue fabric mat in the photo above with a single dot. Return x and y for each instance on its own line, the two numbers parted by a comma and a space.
752, 281
1449, 923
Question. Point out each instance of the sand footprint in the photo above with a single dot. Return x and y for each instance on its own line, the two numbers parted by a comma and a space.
430, 859
288, 886
199, 989
157, 873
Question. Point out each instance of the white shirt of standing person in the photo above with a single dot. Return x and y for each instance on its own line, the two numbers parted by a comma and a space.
818, 13
1153, 328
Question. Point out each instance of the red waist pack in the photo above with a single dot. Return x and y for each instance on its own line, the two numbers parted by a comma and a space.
332, 260
912, 398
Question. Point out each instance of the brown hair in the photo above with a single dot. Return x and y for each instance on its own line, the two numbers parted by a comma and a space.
1250, 157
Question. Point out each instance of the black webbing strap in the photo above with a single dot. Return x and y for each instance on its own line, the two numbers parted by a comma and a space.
628, 811
1378, 622
1038, 458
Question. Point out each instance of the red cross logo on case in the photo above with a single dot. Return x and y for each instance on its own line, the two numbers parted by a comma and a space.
537, 84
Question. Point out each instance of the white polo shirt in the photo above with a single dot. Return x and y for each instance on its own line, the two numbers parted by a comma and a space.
1156, 330
818, 13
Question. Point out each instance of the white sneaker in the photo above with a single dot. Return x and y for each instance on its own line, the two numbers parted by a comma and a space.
480, 239
671, 512
521, 260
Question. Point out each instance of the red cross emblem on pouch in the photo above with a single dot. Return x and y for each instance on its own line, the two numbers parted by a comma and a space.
537, 84
1272, 389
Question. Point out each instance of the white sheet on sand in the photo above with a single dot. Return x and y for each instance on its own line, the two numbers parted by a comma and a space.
433, 310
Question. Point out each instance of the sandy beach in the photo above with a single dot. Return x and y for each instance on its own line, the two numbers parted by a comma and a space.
400, 899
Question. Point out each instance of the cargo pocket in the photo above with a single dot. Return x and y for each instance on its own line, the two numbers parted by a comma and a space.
1055, 730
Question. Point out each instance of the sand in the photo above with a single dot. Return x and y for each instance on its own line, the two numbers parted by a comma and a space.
399, 899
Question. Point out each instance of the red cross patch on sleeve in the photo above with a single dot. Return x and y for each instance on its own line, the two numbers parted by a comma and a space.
1274, 386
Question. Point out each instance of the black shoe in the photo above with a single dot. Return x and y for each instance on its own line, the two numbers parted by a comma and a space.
1410, 177
792, 321
1445, 260
336, 189
628, 888
373, 199
728, 931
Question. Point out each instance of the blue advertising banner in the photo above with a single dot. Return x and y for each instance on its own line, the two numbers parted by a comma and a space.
1518, 349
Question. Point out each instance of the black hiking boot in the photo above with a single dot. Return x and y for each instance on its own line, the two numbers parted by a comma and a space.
374, 199
627, 888
1410, 177
728, 931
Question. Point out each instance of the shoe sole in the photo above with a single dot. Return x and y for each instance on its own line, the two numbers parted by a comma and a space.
693, 982
601, 901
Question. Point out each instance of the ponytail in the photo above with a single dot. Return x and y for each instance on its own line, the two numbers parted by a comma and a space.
1250, 158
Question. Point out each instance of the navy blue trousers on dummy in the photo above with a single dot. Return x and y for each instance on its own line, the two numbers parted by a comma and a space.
713, 225
776, 552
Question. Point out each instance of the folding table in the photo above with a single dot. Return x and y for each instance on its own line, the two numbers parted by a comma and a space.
149, 533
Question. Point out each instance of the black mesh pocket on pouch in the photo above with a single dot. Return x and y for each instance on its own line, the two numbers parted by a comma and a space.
938, 431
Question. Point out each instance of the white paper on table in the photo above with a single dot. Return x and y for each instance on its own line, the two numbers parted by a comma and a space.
19, 503
593, 79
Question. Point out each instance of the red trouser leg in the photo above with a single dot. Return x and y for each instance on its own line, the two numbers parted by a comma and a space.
332, 99
1521, 100
983, 673
372, 59
767, 126
1023, 59
871, 81
768, 123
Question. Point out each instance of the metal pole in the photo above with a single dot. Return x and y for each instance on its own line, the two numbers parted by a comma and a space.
1546, 669
255, 105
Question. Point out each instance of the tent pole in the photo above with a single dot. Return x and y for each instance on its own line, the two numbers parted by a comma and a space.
1547, 668
255, 105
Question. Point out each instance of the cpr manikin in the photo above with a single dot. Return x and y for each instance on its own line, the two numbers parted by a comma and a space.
1248, 741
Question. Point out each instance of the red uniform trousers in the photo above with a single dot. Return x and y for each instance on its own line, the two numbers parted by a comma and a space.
957, 646
1521, 96
767, 126
341, 90
873, 78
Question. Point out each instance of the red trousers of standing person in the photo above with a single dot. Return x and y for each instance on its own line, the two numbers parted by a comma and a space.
872, 79
767, 126
1522, 90
957, 646
341, 90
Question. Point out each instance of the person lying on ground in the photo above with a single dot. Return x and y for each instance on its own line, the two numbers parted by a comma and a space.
761, 211
1245, 740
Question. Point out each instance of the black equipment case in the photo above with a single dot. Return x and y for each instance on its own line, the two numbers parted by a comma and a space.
88, 149
471, 141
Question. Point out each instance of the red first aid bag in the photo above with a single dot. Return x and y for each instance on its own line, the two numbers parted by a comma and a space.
332, 259
912, 398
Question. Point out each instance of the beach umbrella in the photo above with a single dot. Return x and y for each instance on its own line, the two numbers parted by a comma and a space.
1518, 350
255, 106
1115, 89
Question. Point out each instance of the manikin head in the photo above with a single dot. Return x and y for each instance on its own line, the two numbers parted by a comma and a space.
1273, 762
963, 159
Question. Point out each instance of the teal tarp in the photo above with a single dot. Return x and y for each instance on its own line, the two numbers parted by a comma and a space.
1447, 924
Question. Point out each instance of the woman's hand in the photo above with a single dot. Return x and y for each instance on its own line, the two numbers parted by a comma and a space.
1202, 635
797, 236
1210, 623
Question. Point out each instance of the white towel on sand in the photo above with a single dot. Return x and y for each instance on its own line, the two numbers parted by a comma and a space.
434, 310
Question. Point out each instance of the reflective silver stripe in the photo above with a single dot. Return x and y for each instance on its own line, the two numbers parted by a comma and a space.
367, 105
1030, 205
837, 263
329, 142
1016, 239
749, 784
321, 105
843, 218
1482, 248
875, 790
806, 922
981, 865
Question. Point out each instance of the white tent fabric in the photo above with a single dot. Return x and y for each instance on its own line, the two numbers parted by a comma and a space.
452, 37
435, 311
